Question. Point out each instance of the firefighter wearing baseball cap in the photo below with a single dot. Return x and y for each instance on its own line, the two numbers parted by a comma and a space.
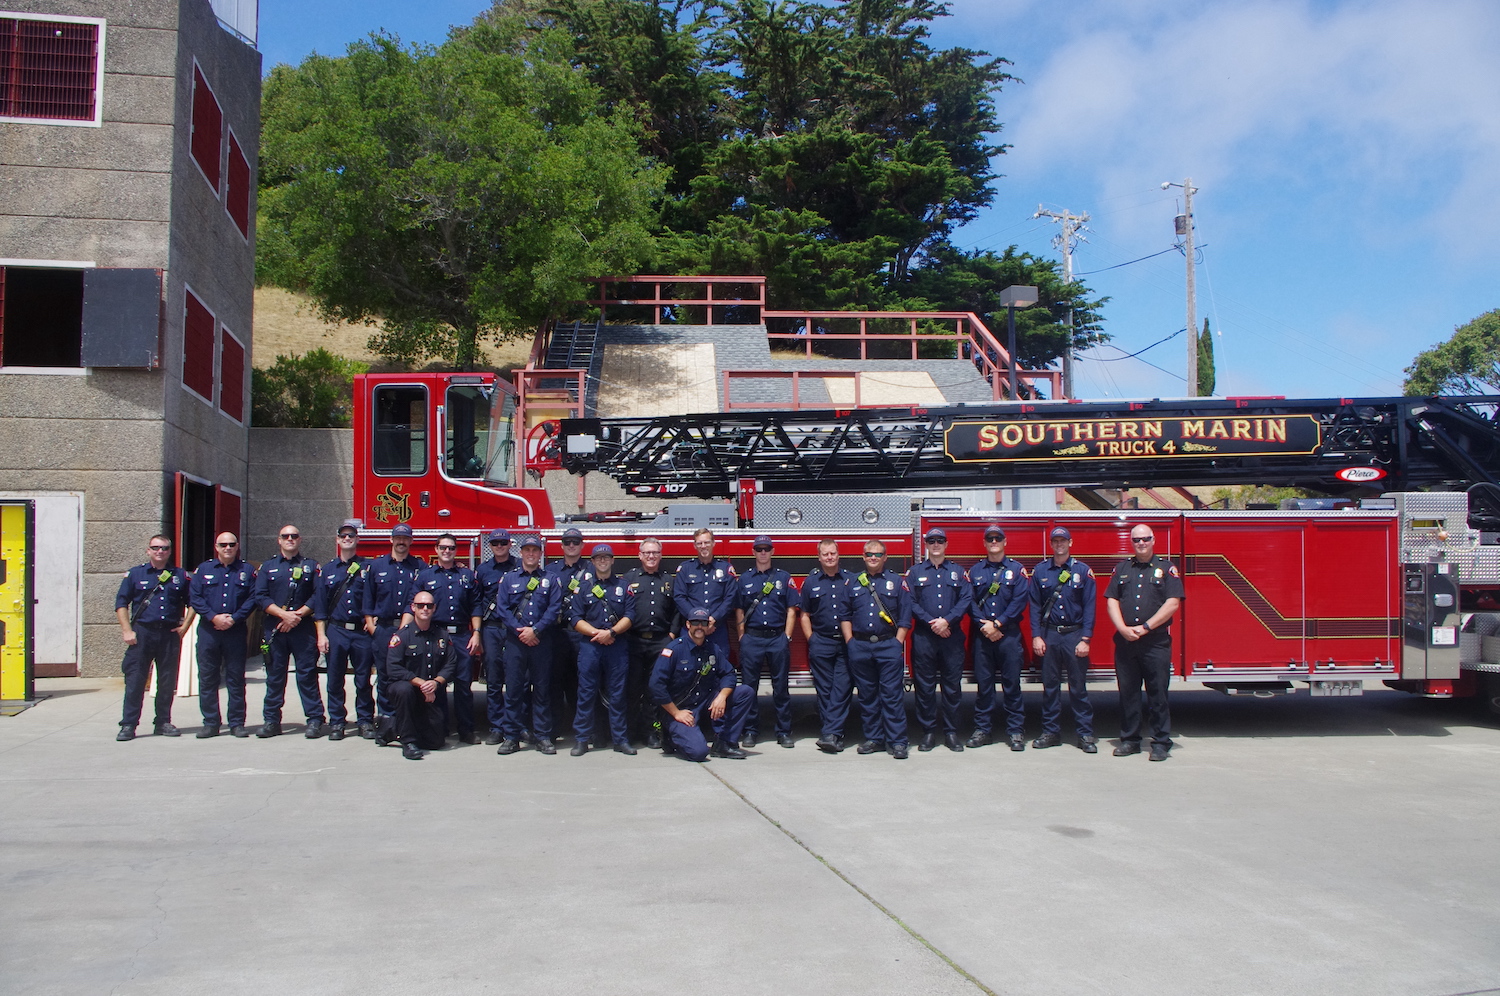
1062, 619
528, 607
697, 688
604, 612
765, 610
492, 630
570, 574
388, 590
939, 601
1001, 591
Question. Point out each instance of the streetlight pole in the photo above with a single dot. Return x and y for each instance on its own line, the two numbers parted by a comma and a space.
1013, 297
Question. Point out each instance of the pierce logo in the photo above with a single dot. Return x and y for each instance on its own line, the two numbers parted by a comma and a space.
1359, 475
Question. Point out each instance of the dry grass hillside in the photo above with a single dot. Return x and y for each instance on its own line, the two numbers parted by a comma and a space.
287, 323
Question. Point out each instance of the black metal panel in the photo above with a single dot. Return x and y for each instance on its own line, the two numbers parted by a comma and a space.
1380, 443
122, 318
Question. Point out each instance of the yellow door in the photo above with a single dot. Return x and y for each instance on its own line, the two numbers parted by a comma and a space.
15, 602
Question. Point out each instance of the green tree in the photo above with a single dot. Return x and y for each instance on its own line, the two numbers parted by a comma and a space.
1206, 378
314, 391
952, 280
1467, 363
449, 194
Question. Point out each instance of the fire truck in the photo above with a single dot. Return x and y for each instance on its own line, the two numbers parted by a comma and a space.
1399, 583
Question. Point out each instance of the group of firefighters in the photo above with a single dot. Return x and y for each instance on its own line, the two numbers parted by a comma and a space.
651, 648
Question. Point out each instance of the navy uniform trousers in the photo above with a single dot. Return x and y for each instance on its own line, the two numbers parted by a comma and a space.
602, 671
221, 653
766, 652
689, 741
879, 672
998, 660
301, 646
1062, 658
528, 669
828, 660
154, 643
937, 661
349, 649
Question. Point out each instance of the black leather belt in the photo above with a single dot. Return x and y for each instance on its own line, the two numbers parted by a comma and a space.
1064, 630
347, 625
649, 634
391, 621
873, 637
764, 629
836, 635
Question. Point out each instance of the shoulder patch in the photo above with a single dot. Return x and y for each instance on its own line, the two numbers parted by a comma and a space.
395, 639
666, 652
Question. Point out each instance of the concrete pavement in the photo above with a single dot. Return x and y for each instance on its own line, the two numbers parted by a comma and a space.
1343, 846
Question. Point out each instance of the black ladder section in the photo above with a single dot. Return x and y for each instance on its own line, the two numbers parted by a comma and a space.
1340, 446
572, 347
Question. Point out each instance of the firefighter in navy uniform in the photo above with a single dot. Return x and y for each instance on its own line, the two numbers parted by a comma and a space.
458, 607
569, 573
603, 612
338, 614
1062, 619
221, 591
1001, 591
939, 601
696, 688
765, 607
284, 588
152, 606
492, 631
879, 617
1143, 595
707, 583
528, 606
419, 664
825, 609
388, 591
656, 625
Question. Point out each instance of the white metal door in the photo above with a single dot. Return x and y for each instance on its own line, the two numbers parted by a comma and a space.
58, 577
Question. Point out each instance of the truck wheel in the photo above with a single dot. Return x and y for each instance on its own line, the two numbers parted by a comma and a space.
1489, 694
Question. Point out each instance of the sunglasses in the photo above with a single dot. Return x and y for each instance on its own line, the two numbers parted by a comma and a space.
572, 542
216, 544
446, 549
762, 549
155, 546
424, 605
1142, 539
348, 535
499, 542
874, 556
291, 535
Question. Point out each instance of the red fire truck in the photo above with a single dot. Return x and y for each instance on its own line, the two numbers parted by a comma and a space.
1400, 586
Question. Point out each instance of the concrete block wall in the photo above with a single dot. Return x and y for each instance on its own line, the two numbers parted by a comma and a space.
299, 476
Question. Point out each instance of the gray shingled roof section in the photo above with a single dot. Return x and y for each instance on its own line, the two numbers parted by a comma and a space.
745, 347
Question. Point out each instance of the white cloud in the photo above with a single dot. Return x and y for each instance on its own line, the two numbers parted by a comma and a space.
1391, 101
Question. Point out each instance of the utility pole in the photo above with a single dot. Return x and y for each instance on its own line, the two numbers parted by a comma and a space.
1072, 231
1184, 225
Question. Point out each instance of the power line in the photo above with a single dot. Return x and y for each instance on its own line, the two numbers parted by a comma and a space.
1086, 273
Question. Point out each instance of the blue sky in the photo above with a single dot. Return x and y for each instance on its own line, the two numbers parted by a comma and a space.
1346, 156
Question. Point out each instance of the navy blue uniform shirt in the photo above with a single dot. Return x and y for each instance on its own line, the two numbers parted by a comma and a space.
689, 675
767, 597
216, 589
708, 587
528, 598
341, 591
938, 592
1000, 592
1073, 607
826, 600
570, 578
288, 583
154, 596
487, 575
456, 592
390, 586
601, 604
864, 609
